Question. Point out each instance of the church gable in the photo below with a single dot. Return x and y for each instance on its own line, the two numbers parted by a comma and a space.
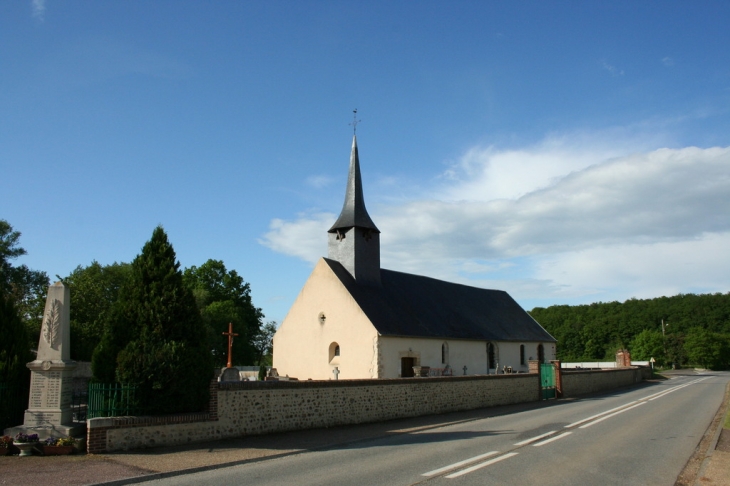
325, 328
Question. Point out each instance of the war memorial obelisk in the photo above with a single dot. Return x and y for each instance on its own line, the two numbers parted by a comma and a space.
49, 412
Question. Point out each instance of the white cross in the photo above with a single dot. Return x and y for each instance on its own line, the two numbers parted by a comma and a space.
336, 371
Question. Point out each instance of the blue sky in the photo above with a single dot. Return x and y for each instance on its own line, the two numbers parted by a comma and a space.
567, 152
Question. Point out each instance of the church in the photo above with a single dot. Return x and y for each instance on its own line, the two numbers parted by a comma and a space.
355, 320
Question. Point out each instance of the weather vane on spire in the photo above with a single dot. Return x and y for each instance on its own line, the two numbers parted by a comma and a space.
355, 121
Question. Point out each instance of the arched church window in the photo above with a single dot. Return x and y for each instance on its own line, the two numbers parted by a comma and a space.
491, 358
540, 353
444, 353
334, 353
522, 354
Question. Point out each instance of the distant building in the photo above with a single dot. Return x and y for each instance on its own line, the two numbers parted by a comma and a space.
369, 322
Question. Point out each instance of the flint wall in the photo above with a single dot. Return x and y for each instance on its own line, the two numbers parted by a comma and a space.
251, 408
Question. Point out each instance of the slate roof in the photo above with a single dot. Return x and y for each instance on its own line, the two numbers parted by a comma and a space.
353, 210
409, 305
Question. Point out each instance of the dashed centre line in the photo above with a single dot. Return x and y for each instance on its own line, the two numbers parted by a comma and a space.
529, 441
459, 464
479, 466
551, 439
585, 426
585, 423
597, 415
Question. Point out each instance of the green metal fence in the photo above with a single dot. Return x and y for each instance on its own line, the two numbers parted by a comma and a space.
13, 402
111, 400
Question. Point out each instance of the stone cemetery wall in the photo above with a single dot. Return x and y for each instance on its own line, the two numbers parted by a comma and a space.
251, 408
576, 383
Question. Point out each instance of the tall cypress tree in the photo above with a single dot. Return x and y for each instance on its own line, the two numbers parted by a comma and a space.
155, 338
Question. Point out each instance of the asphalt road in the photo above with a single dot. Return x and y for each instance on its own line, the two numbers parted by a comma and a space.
641, 436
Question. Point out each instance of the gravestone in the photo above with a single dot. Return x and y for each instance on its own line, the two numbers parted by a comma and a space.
49, 412
229, 374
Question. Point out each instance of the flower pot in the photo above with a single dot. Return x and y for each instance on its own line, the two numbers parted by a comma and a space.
26, 448
57, 450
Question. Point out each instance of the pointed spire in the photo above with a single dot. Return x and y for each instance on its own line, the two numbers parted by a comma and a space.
353, 212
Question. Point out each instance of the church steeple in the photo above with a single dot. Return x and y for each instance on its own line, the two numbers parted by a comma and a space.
354, 240
353, 210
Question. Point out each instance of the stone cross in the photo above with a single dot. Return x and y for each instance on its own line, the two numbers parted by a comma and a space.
336, 372
464, 370
230, 335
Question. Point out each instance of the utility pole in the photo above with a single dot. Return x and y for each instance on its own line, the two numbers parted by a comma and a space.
664, 339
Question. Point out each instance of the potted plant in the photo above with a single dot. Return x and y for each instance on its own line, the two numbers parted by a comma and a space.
5, 443
58, 446
26, 443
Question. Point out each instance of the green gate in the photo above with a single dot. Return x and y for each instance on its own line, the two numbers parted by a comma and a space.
547, 380
111, 400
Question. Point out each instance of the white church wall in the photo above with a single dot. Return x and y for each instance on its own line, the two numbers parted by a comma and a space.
324, 313
472, 354
427, 352
507, 353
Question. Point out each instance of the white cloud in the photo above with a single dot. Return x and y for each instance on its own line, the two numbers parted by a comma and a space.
642, 271
584, 217
304, 238
39, 9
319, 181
668, 61
484, 174
95, 60
612, 69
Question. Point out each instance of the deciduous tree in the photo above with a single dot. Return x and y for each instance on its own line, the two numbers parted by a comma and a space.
14, 347
94, 290
25, 287
648, 344
223, 297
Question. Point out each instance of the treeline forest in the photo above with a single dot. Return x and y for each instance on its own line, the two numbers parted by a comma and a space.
684, 330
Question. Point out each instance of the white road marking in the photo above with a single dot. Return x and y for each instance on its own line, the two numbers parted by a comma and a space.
551, 439
667, 392
650, 397
479, 466
459, 464
597, 415
528, 441
592, 420
609, 416
643, 400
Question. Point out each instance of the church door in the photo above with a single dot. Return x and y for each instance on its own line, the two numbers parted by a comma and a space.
406, 367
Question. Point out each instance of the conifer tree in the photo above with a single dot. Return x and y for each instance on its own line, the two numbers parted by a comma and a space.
155, 338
